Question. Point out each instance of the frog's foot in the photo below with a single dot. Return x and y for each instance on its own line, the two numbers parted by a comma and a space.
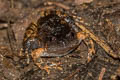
36, 55
89, 42
91, 49
47, 68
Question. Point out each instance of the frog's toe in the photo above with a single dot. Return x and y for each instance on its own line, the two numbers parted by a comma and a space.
48, 68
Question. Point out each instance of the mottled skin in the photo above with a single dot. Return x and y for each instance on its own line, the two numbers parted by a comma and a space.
54, 35
55, 32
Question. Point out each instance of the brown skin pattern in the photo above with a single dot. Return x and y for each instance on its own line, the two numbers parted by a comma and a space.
55, 32
54, 35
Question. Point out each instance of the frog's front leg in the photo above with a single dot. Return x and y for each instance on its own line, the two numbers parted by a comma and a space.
89, 42
91, 49
36, 55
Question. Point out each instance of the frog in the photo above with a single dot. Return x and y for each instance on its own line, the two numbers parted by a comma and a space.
54, 35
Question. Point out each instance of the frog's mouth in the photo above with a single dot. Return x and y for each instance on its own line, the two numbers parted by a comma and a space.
57, 51
57, 35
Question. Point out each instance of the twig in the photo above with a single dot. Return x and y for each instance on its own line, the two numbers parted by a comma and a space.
46, 8
11, 38
101, 74
72, 74
12, 4
58, 4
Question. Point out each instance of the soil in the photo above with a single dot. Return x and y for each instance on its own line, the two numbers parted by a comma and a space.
101, 17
